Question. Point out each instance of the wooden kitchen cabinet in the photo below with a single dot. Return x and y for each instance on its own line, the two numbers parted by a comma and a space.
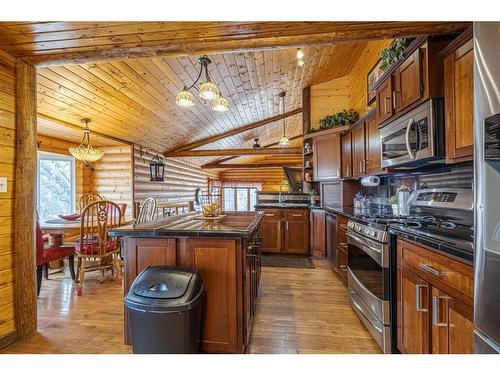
384, 100
452, 325
326, 156
413, 313
318, 233
434, 301
408, 82
285, 231
271, 231
296, 231
414, 79
358, 150
340, 264
373, 147
346, 155
459, 100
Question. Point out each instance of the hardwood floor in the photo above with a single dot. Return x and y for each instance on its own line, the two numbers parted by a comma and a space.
306, 311
298, 311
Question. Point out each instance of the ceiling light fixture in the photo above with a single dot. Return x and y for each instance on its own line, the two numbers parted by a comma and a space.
207, 90
284, 141
85, 152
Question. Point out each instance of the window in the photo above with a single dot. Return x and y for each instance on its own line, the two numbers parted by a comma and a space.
240, 199
55, 185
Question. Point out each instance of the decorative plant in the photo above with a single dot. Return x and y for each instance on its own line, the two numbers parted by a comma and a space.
394, 52
313, 193
337, 119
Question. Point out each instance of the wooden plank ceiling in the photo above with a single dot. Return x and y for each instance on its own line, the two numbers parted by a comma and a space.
73, 42
133, 70
135, 99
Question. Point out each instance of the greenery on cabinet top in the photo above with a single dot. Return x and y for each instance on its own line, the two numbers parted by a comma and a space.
345, 117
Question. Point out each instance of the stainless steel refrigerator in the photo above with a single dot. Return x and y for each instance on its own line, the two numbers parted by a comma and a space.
487, 186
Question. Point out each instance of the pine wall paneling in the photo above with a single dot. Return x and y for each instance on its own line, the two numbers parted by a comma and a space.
329, 97
270, 178
7, 169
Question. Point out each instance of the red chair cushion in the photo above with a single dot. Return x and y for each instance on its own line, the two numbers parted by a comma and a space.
92, 247
51, 253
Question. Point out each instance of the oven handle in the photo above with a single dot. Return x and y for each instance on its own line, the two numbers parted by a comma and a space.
363, 242
407, 138
376, 253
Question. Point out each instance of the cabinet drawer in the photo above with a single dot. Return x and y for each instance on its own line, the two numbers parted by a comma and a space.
293, 214
342, 222
341, 239
271, 213
442, 271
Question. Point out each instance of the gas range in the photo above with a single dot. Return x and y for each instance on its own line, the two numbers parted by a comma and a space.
443, 217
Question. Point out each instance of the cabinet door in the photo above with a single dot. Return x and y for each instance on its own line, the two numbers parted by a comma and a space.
296, 236
409, 85
326, 157
452, 325
373, 147
385, 108
271, 231
318, 233
413, 313
358, 150
345, 144
459, 99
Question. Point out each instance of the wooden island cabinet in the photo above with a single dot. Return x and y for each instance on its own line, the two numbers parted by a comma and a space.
434, 302
227, 255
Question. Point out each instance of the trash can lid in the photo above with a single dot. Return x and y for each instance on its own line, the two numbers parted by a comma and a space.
164, 288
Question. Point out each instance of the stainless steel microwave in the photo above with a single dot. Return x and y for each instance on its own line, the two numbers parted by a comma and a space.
414, 138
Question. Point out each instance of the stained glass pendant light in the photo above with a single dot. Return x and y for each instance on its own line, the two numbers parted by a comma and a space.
85, 152
207, 90
284, 141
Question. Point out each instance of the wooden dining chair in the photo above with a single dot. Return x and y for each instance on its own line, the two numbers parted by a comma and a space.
46, 253
147, 211
85, 199
94, 244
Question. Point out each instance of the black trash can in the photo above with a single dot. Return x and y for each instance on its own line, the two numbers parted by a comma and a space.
164, 307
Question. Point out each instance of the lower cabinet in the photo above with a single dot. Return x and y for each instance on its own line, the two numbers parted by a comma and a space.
434, 302
318, 233
340, 259
285, 231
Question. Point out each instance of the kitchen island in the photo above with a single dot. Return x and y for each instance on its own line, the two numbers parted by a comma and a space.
226, 252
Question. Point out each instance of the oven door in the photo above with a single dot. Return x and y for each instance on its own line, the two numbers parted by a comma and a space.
368, 274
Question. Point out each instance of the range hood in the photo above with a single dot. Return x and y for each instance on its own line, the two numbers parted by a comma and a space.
294, 178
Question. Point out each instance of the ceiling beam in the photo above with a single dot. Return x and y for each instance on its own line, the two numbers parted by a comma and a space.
338, 32
223, 160
238, 151
80, 129
252, 165
217, 137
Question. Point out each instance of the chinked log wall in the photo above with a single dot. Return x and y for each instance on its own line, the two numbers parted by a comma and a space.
112, 175
7, 169
181, 180
270, 178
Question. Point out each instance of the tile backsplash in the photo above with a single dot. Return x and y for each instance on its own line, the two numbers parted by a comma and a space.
453, 176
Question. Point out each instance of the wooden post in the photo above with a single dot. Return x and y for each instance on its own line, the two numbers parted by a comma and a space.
24, 238
306, 110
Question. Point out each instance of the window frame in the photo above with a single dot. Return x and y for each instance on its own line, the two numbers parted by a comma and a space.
44, 155
235, 198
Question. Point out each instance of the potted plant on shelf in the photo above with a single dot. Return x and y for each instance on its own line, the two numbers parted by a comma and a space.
394, 52
313, 195
345, 117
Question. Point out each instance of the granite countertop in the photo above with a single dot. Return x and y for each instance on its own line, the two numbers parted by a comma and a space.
234, 224
261, 206
346, 212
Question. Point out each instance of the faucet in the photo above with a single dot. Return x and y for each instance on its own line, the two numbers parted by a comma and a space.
280, 197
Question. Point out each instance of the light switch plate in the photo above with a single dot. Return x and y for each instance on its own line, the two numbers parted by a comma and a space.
3, 184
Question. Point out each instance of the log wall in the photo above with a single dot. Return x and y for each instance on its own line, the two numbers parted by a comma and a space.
270, 178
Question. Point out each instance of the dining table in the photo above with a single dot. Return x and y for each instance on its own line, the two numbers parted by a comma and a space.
61, 229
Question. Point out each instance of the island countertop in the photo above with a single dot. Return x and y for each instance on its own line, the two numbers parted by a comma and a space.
234, 224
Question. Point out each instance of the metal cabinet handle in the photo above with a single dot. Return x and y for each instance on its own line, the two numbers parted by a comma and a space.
286, 224
296, 215
429, 269
417, 298
279, 226
435, 312
394, 99
269, 215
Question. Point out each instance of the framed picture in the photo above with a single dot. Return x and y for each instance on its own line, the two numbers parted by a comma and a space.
373, 75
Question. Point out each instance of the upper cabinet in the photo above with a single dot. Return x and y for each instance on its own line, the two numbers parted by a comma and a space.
459, 98
326, 156
417, 77
361, 148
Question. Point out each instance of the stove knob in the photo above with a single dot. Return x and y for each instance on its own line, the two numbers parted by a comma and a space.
357, 227
371, 233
